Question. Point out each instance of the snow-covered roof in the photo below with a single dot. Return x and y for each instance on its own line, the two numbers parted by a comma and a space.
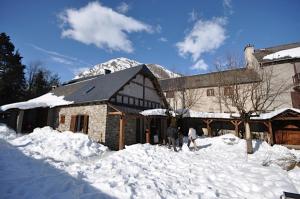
194, 114
272, 114
291, 53
47, 100
156, 112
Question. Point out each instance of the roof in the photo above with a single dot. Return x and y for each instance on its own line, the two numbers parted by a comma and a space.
99, 88
261, 53
228, 77
93, 89
264, 116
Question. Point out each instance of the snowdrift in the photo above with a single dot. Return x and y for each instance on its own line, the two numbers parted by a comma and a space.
48, 143
219, 168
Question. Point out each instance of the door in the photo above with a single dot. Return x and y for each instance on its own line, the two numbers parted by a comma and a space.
289, 135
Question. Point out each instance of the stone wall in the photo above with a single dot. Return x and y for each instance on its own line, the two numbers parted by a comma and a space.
113, 129
97, 119
112, 132
130, 131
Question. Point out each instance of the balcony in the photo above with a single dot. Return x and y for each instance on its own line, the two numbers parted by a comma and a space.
296, 81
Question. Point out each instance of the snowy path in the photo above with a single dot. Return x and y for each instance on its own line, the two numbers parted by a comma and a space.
49, 167
25, 177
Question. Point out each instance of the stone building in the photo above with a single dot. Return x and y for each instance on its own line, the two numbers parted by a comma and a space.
202, 92
106, 107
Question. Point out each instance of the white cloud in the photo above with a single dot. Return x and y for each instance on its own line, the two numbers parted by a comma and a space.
200, 65
123, 8
193, 16
163, 39
227, 5
62, 60
101, 26
59, 57
158, 28
205, 36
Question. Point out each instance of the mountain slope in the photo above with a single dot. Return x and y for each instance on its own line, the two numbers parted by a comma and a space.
122, 63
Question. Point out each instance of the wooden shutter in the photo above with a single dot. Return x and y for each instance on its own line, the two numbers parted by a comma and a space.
85, 124
73, 123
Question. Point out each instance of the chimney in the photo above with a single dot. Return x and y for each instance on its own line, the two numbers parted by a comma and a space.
107, 71
251, 61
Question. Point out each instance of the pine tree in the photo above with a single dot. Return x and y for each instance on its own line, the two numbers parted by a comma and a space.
12, 77
40, 80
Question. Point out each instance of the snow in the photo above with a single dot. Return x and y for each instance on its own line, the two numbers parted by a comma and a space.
47, 100
195, 114
39, 166
292, 53
156, 112
67, 146
263, 116
272, 114
7, 133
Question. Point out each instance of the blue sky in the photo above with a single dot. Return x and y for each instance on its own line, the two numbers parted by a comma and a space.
184, 36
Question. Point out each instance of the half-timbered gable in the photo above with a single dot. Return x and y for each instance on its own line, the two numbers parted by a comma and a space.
106, 107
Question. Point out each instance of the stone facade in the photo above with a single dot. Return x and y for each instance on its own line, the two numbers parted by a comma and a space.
113, 129
102, 127
281, 76
97, 119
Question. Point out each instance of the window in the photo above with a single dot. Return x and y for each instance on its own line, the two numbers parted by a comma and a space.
131, 102
119, 99
228, 91
79, 123
141, 102
169, 94
210, 92
125, 99
62, 119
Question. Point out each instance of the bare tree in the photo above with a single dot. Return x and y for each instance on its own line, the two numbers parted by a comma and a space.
249, 92
182, 97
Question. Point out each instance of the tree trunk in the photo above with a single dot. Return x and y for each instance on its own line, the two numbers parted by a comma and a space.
248, 138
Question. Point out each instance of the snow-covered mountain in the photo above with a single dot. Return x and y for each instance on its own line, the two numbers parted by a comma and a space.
122, 63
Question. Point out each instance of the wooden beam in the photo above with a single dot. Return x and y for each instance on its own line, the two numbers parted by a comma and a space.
271, 132
122, 132
20, 121
236, 124
208, 127
115, 113
287, 118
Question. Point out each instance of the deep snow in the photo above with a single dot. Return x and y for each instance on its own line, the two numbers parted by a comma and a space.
68, 165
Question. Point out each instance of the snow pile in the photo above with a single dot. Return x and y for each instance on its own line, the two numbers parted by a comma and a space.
275, 155
219, 168
67, 146
6, 133
290, 53
47, 100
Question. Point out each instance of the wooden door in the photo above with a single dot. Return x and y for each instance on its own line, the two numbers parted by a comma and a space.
289, 135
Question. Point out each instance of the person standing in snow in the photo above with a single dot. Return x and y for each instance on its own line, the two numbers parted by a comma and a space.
192, 137
180, 138
172, 133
